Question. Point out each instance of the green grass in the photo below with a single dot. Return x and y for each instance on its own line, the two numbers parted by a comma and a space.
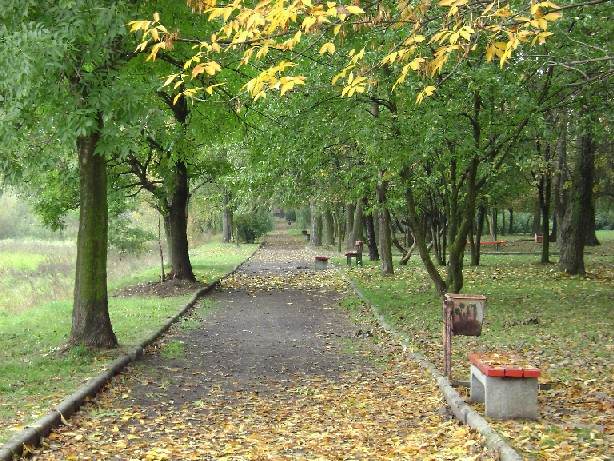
34, 376
209, 261
530, 306
173, 349
562, 324
21, 260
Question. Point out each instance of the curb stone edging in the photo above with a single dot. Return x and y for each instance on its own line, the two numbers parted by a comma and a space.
32, 434
461, 410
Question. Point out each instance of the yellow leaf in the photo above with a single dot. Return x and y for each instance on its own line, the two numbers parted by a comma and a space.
156, 17
176, 98
552, 16
328, 48
169, 79
353, 9
308, 22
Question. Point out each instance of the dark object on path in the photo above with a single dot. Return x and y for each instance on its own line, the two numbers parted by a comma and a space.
356, 253
307, 235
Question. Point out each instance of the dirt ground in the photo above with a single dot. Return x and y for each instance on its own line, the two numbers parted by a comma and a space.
272, 368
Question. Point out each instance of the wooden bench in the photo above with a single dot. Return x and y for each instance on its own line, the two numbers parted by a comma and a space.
538, 238
505, 384
321, 263
356, 253
307, 235
497, 244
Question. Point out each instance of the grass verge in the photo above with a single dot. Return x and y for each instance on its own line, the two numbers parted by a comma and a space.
33, 377
562, 324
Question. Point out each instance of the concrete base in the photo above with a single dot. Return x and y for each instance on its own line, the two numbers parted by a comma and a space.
505, 398
321, 265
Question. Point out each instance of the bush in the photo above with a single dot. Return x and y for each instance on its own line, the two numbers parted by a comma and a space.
250, 226
604, 220
127, 238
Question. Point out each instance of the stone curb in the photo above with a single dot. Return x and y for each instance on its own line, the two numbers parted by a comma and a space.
462, 412
34, 432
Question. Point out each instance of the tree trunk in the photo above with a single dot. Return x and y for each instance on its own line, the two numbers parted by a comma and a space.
545, 190
339, 222
371, 237
554, 230
575, 222
492, 225
358, 221
91, 324
510, 229
315, 238
476, 247
590, 238
167, 232
420, 242
178, 220
537, 225
385, 238
349, 225
227, 219
328, 227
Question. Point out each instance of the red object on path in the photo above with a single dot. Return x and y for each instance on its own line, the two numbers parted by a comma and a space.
321, 258
501, 370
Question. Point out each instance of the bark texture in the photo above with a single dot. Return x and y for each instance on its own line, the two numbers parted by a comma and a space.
328, 228
371, 237
349, 225
91, 324
315, 237
385, 237
574, 222
227, 219
178, 223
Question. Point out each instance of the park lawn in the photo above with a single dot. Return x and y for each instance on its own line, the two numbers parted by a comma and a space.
562, 324
34, 376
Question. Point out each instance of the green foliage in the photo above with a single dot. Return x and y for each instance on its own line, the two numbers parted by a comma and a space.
252, 225
127, 238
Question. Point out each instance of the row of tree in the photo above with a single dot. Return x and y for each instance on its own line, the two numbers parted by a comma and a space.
79, 106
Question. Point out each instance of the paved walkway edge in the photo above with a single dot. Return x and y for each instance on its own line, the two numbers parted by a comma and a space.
463, 412
33, 433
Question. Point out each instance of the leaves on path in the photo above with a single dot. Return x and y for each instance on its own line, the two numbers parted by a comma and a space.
389, 415
382, 407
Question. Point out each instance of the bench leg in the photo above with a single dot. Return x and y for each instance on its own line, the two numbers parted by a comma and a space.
349, 260
359, 259
510, 398
477, 390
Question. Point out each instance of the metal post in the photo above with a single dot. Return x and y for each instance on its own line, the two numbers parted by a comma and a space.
447, 338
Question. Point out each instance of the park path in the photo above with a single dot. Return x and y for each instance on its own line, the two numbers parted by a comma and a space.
270, 367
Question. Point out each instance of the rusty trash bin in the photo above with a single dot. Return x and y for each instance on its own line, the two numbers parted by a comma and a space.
463, 315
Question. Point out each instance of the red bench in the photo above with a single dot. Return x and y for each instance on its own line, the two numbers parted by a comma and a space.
505, 384
497, 244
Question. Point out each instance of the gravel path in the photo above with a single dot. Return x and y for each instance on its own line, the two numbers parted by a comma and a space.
269, 368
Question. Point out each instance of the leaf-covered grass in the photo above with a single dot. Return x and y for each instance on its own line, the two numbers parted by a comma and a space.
34, 376
562, 324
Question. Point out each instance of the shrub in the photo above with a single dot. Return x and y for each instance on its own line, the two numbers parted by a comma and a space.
250, 226
127, 238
